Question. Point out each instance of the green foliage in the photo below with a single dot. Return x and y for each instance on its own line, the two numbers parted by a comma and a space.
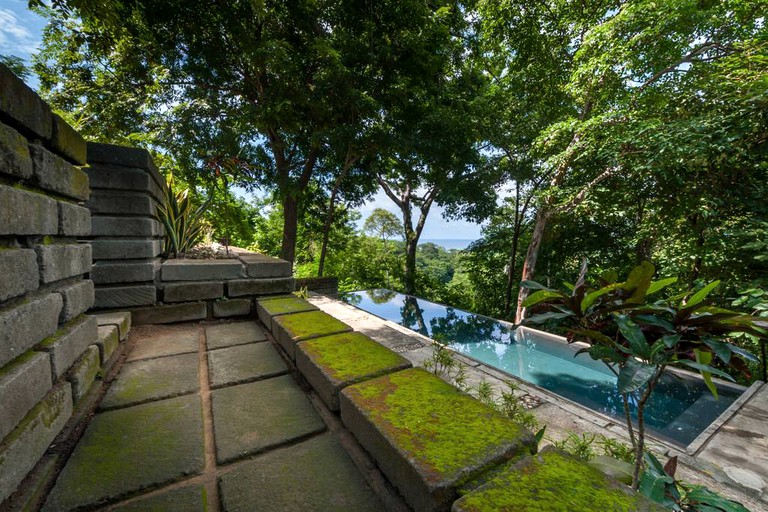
442, 364
182, 221
17, 65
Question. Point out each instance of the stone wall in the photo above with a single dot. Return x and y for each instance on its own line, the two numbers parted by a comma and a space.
49, 349
322, 285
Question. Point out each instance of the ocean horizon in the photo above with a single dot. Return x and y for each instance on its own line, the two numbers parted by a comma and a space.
448, 243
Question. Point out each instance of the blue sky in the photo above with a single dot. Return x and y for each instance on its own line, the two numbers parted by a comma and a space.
20, 35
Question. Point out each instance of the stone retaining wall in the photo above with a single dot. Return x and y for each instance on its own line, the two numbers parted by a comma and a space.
322, 285
50, 351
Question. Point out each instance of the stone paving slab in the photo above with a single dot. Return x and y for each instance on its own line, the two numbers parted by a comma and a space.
125, 451
244, 363
314, 475
153, 379
231, 334
332, 363
251, 418
281, 306
427, 437
553, 481
187, 499
291, 329
164, 341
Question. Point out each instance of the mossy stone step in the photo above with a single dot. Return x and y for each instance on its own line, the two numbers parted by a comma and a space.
271, 307
288, 330
427, 437
555, 481
332, 363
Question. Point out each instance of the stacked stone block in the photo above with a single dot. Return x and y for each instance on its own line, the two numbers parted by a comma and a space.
46, 341
126, 234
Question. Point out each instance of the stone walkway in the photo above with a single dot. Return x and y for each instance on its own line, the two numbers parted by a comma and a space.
208, 417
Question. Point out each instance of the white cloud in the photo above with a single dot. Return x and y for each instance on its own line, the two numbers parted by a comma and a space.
15, 37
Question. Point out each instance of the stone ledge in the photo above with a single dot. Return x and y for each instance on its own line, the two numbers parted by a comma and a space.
107, 202
226, 308
260, 265
107, 342
14, 153
22, 384
23, 107
53, 173
427, 437
555, 481
332, 363
78, 298
59, 261
125, 296
69, 343
271, 307
170, 313
124, 156
240, 287
125, 226
120, 271
25, 325
291, 329
83, 373
67, 141
120, 319
120, 249
200, 270
20, 451
192, 291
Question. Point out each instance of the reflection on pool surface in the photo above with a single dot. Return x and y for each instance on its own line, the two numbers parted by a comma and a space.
680, 408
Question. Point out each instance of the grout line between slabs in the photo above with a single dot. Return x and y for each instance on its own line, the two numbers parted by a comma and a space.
209, 471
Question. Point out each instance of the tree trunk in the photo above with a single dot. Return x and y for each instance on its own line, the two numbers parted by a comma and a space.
290, 227
326, 232
410, 263
531, 257
512, 264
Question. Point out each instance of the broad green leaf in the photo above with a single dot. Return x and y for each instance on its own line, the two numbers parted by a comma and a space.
743, 353
653, 486
637, 342
656, 321
706, 359
541, 296
660, 284
595, 335
671, 340
720, 348
700, 295
705, 497
544, 317
639, 281
533, 285
634, 375
614, 468
590, 298
703, 367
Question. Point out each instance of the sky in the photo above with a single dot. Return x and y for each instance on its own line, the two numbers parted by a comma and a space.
21, 35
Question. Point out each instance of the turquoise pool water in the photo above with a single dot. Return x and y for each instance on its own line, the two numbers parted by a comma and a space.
679, 410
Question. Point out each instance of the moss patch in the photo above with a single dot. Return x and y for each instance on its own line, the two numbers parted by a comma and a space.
351, 355
552, 481
310, 325
446, 434
286, 305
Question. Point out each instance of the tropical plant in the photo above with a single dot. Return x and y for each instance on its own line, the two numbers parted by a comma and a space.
182, 221
638, 338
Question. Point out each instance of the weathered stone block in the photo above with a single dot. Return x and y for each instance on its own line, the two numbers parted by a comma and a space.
58, 261
14, 153
23, 447
27, 213
123, 156
332, 363
125, 226
244, 363
187, 292
27, 112
291, 329
78, 298
170, 313
118, 178
125, 296
22, 384
23, 326
427, 437
108, 341
125, 249
120, 319
231, 307
240, 287
74, 220
199, 270
109, 272
124, 203
67, 141
18, 268
69, 342
57, 175
552, 480
83, 373
267, 309
228, 335
260, 265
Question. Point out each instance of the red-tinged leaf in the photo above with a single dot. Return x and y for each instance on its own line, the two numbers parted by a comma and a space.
671, 466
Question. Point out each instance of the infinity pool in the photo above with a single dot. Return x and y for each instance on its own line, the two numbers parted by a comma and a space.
680, 408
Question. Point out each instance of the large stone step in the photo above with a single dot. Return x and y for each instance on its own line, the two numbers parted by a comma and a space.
427, 437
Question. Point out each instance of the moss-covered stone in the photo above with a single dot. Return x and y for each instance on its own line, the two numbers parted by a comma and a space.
552, 481
290, 329
428, 437
332, 363
268, 308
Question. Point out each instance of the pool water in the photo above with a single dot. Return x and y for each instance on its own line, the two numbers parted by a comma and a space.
679, 409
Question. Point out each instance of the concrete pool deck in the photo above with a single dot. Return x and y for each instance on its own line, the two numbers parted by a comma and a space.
732, 460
